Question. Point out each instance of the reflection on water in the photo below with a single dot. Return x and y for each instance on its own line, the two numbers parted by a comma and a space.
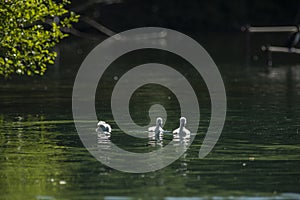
257, 156
154, 140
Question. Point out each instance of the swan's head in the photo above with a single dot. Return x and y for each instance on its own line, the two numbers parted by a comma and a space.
182, 121
159, 121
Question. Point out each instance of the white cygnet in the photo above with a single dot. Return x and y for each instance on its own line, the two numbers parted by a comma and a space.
103, 127
158, 128
182, 131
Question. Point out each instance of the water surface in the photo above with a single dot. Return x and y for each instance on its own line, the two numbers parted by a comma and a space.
257, 156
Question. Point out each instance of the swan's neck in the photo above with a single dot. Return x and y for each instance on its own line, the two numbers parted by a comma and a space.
157, 126
181, 127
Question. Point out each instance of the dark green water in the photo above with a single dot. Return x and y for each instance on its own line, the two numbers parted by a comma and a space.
257, 156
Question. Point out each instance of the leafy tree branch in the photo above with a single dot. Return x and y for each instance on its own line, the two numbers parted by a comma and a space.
29, 29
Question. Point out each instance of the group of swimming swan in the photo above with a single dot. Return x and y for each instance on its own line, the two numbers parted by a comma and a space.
103, 127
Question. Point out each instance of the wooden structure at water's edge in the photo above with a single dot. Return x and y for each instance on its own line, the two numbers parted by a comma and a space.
268, 48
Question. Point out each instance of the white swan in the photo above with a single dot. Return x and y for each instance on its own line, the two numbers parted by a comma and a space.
182, 131
103, 127
158, 128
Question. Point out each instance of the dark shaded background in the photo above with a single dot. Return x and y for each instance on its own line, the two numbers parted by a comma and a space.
191, 15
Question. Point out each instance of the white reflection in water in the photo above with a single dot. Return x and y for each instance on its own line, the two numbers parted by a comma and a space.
154, 140
104, 144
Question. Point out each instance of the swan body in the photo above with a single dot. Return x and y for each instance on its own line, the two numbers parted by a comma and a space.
103, 127
158, 128
182, 131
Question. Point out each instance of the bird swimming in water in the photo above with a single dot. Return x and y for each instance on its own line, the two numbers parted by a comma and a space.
103, 127
182, 131
158, 128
